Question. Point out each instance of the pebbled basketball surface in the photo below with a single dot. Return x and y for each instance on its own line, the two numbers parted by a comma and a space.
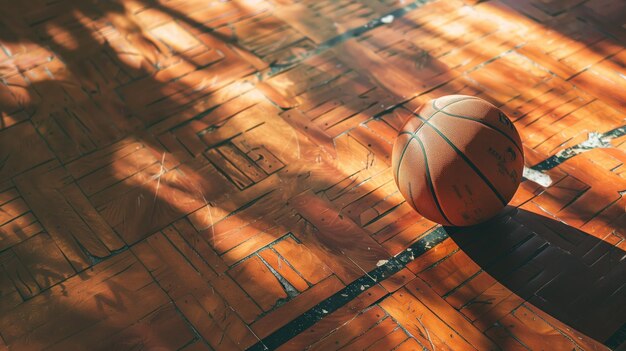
458, 160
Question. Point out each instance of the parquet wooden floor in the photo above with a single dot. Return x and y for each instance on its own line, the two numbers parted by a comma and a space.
214, 175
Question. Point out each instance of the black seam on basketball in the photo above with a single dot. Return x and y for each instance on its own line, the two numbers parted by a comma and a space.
406, 146
411, 196
452, 103
469, 163
430, 183
485, 124
418, 129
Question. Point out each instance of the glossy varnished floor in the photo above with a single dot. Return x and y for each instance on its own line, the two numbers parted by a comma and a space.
214, 175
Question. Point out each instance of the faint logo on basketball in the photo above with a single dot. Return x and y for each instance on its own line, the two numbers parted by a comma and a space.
502, 159
510, 154
505, 120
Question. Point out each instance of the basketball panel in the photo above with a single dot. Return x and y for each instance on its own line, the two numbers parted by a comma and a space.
464, 197
412, 124
425, 111
450, 100
494, 155
484, 112
414, 183
430, 108
399, 148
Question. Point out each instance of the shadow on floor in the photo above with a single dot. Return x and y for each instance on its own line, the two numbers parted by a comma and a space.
573, 276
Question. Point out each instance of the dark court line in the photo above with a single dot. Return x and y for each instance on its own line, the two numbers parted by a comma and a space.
351, 291
572, 151
276, 68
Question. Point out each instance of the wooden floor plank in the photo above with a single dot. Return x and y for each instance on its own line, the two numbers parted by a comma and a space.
453, 318
84, 301
287, 312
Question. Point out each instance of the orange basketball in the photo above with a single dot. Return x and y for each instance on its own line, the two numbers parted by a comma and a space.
458, 160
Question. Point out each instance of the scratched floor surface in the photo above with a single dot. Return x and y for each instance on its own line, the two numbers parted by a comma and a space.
214, 175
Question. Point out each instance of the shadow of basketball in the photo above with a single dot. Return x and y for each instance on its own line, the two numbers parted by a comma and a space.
571, 275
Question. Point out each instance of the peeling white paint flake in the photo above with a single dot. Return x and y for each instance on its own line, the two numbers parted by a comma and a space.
538, 177
381, 263
387, 19
595, 140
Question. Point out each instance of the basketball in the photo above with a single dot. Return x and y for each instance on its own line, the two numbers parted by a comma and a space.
458, 160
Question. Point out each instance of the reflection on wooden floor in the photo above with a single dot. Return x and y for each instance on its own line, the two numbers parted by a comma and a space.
214, 175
